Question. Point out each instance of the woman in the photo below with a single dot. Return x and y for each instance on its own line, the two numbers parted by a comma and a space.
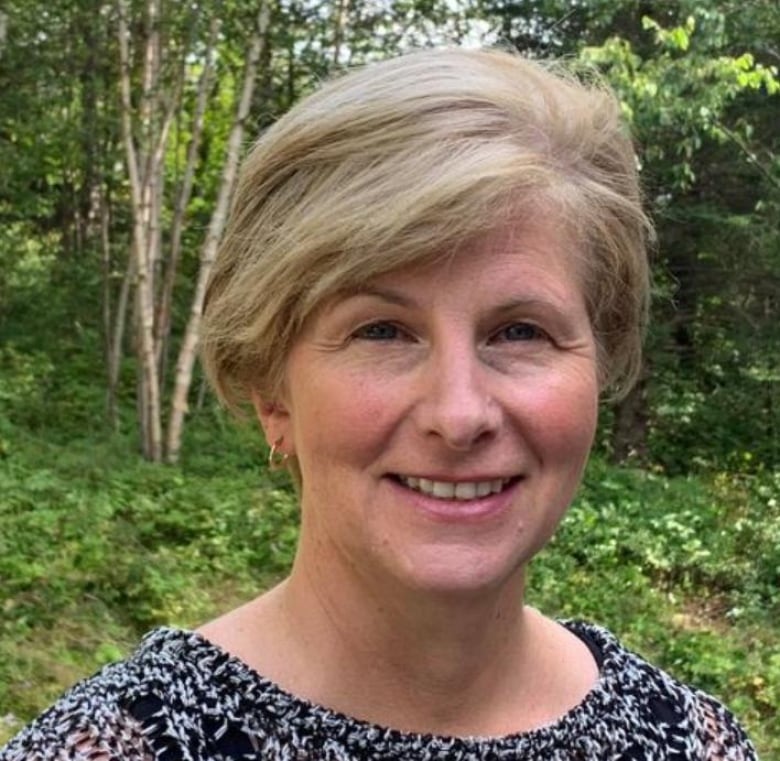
434, 267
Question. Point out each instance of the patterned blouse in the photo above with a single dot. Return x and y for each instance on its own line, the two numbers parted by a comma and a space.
180, 698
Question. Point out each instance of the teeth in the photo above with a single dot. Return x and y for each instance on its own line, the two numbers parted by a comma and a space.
465, 490
462, 490
484, 488
444, 489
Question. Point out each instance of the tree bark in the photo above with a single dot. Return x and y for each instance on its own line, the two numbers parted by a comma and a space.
146, 131
164, 312
3, 30
108, 316
187, 352
117, 340
630, 426
339, 21
139, 169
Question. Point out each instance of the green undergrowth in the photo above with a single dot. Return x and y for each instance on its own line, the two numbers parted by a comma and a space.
97, 547
687, 571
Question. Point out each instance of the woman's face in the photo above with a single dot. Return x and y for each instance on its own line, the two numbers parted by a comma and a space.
442, 417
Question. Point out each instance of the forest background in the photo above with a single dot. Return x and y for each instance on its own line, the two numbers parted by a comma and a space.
128, 499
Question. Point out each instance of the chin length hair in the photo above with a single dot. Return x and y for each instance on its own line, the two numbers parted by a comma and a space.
409, 159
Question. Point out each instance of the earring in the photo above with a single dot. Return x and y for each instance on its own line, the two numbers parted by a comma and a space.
276, 459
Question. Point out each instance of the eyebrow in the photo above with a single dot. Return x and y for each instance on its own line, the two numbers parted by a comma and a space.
534, 302
512, 303
386, 294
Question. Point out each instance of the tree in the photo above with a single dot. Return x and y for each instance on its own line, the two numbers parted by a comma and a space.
186, 361
700, 160
154, 76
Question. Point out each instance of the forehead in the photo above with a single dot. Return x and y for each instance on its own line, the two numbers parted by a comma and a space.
532, 266
526, 253
528, 241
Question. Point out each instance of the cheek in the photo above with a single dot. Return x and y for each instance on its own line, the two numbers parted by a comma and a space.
566, 422
342, 418
369, 425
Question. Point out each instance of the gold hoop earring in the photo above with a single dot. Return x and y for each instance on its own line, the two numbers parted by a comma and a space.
276, 459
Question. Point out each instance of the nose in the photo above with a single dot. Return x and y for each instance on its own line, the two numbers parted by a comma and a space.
457, 404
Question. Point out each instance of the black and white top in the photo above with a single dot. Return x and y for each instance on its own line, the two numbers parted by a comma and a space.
180, 698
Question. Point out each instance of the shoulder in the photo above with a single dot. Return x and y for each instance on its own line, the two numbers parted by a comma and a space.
107, 715
663, 709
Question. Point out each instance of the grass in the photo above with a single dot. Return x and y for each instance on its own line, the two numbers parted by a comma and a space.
97, 547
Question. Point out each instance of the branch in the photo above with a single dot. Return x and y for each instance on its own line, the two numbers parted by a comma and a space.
749, 154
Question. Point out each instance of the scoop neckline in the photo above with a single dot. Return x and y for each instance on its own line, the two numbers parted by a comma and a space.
587, 717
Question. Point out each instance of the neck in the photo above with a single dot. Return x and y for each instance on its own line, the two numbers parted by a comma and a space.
417, 660
448, 664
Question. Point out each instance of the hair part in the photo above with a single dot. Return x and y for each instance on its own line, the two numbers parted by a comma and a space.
399, 162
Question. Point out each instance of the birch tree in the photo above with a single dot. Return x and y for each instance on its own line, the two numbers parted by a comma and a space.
145, 133
183, 195
187, 352
168, 87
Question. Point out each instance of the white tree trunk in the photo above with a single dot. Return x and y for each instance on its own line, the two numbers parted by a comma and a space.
142, 191
164, 312
187, 352
117, 340
3, 30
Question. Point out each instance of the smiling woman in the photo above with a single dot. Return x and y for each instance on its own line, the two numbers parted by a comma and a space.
434, 268
477, 373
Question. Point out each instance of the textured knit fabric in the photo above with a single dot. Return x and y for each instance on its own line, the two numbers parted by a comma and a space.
179, 698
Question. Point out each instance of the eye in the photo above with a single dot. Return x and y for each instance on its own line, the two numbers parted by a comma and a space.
521, 331
378, 331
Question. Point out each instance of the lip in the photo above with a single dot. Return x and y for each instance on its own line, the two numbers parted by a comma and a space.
452, 510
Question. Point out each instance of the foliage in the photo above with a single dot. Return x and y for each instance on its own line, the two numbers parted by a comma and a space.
688, 570
121, 542
698, 91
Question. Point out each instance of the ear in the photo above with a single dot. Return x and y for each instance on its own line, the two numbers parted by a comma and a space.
275, 421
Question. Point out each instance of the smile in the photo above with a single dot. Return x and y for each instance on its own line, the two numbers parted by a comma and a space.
461, 490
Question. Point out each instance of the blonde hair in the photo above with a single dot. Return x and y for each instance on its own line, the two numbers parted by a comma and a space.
404, 160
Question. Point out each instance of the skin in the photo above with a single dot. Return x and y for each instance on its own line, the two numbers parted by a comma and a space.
402, 608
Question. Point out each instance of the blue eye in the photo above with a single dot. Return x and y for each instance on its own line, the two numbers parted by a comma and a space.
521, 331
378, 331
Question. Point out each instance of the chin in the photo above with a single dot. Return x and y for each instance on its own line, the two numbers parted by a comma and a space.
457, 571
